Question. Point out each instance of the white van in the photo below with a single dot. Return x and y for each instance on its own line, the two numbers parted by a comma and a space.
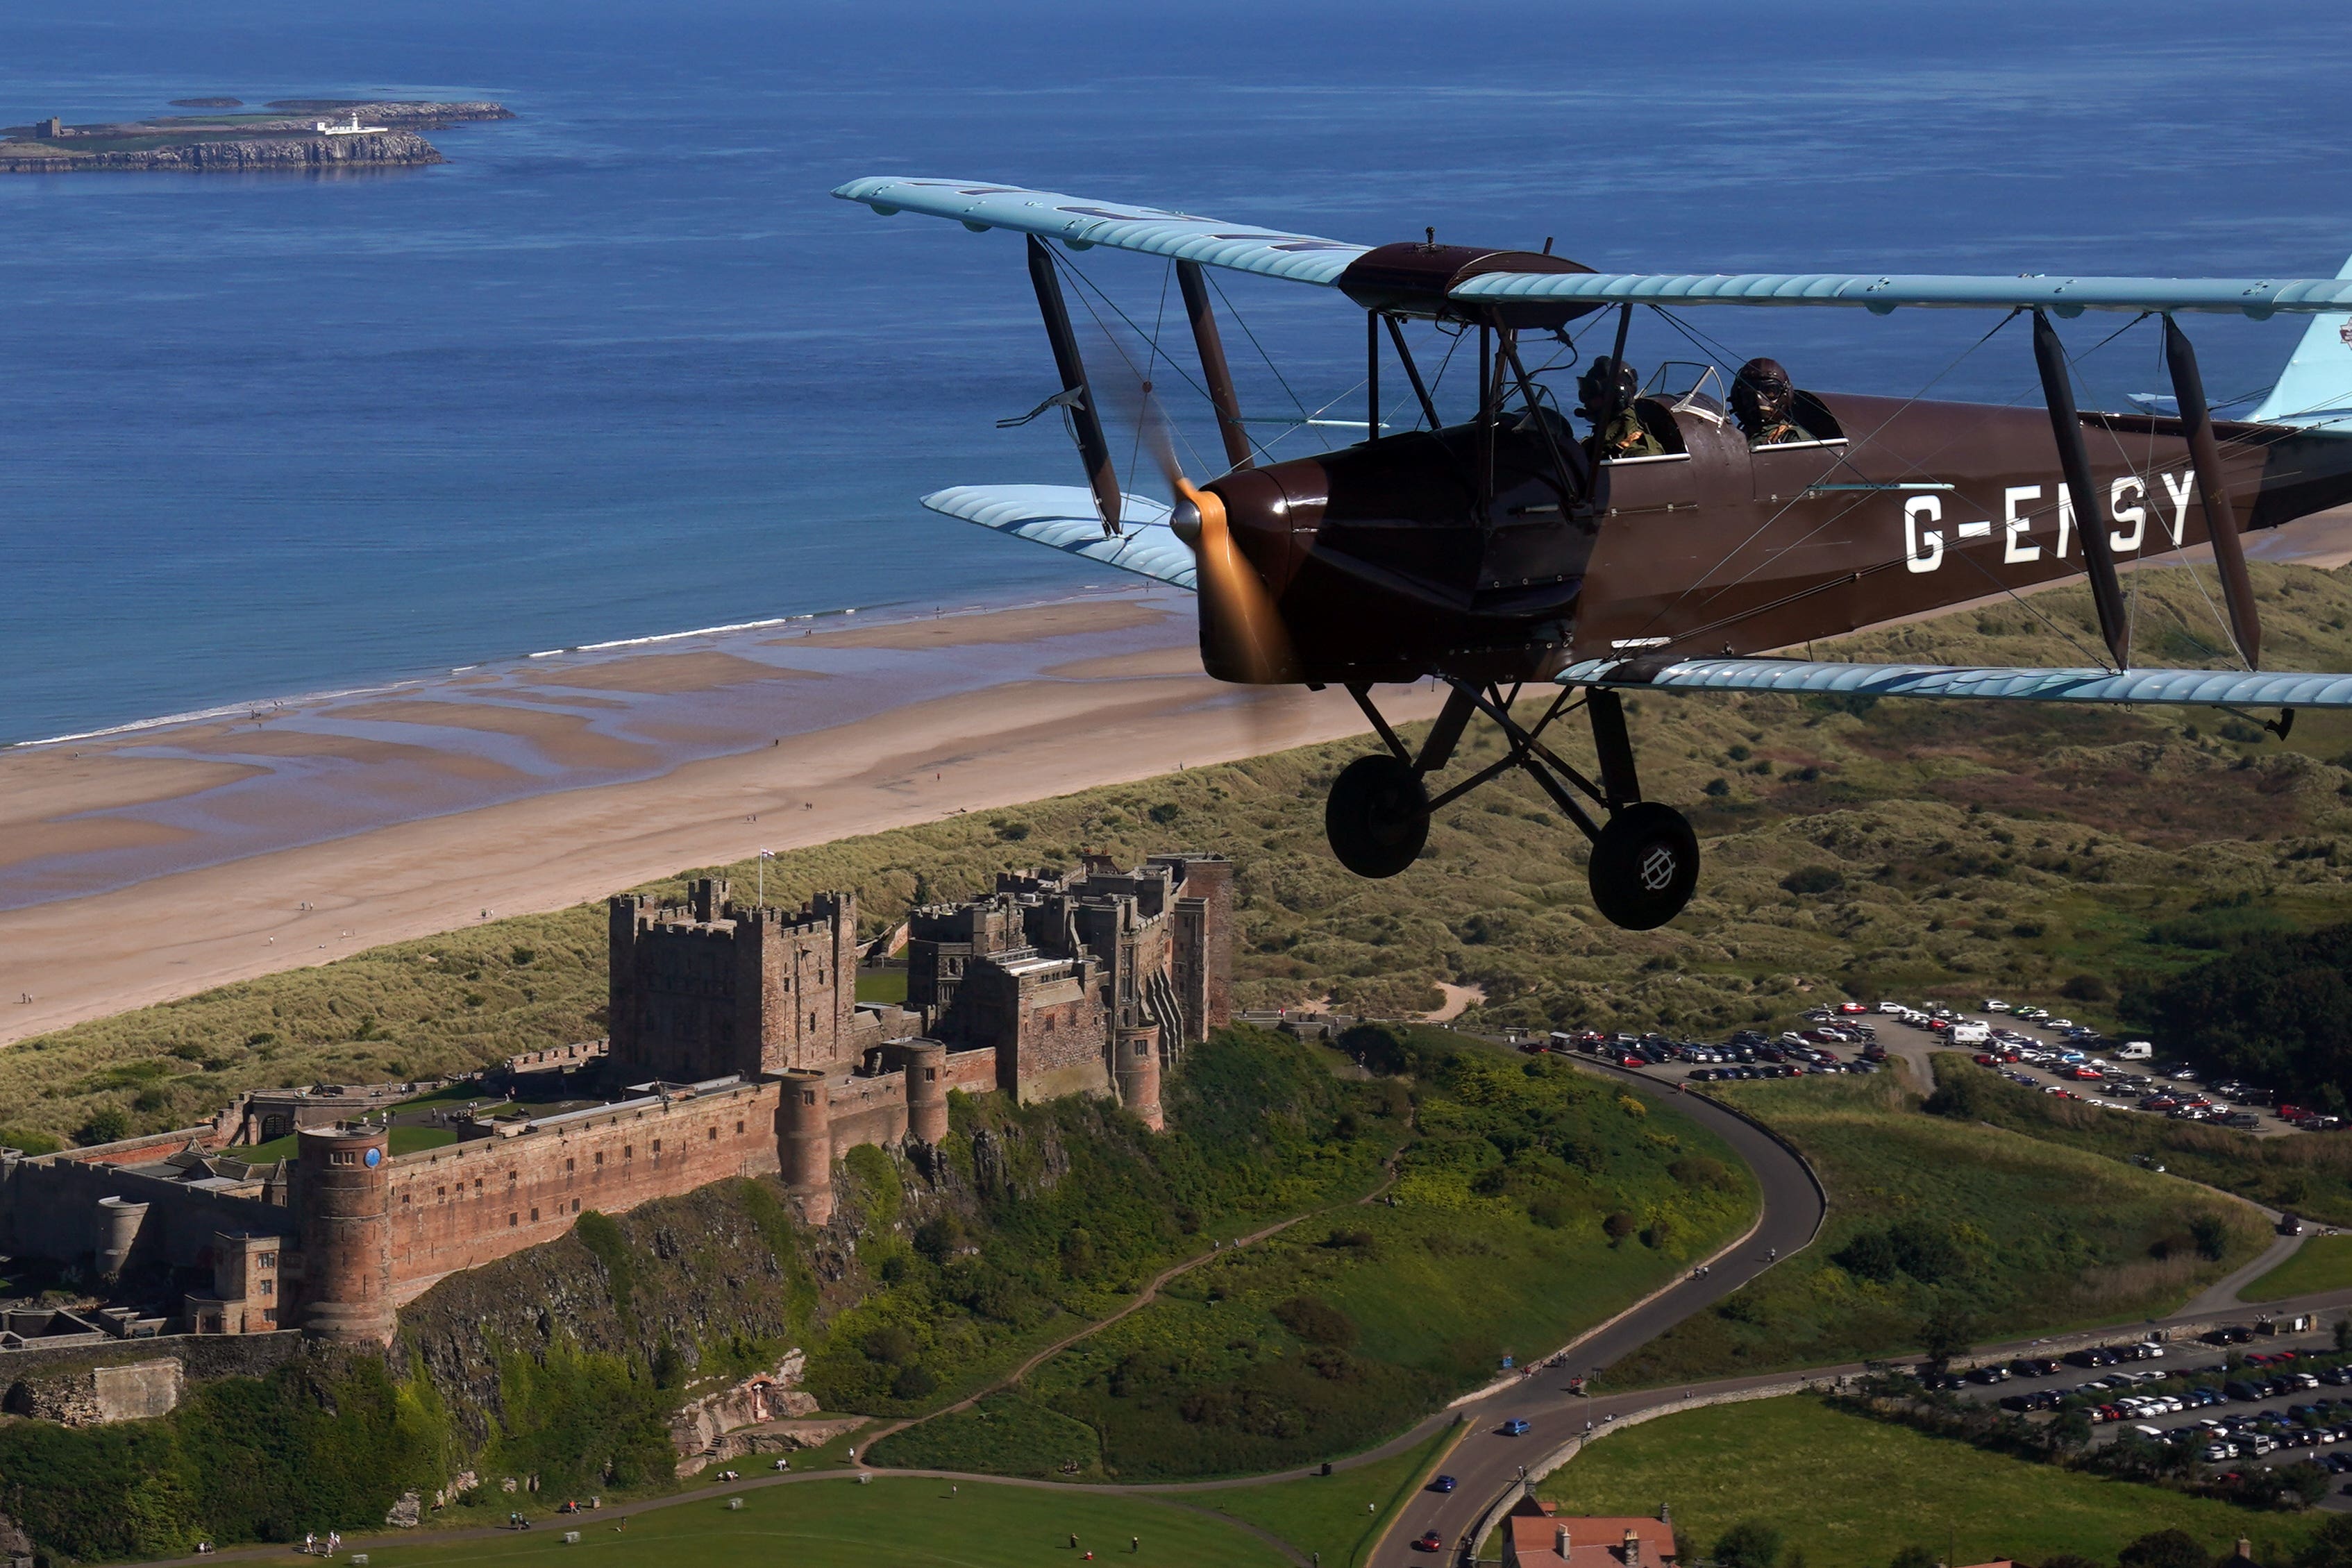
1969, 1034
2135, 1050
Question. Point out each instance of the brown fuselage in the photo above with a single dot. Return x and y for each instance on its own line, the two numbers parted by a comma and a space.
1386, 566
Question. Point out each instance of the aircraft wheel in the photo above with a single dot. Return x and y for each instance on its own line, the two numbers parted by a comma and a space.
1644, 866
1377, 816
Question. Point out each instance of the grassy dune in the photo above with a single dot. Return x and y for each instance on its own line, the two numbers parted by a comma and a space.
1846, 1492
1950, 848
1997, 1234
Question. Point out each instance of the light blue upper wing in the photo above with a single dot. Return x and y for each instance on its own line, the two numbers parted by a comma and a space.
2257, 297
1064, 516
2246, 688
1079, 223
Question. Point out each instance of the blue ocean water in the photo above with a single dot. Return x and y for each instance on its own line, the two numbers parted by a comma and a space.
622, 367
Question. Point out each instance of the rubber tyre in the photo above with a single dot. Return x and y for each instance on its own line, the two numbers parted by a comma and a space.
1377, 816
1644, 866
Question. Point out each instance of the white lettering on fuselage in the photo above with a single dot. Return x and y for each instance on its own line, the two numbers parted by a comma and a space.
1918, 509
1923, 546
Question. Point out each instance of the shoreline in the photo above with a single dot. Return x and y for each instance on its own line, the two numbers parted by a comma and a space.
1059, 701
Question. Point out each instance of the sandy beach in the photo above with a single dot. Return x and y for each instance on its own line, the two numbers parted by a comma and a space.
145, 866
500, 793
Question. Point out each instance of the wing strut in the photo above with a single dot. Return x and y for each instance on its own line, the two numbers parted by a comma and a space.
1094, 449
2090, 517
1214, 369
2221, 520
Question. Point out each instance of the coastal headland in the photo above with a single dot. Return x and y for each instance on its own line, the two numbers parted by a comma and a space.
288, 134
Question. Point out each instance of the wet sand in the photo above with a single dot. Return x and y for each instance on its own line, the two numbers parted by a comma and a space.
1093, 695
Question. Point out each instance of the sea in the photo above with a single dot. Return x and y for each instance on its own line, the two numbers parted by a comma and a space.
621, 368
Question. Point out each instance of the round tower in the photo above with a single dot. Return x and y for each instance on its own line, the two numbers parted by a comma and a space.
342, 1190
118, 1220
927, 1092
1135, 1065
804, 1141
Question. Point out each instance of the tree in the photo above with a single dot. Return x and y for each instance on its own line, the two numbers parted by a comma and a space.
2272, 1012
1948, 1332
2330, 1545
2165, 1549
107, 1124
2072, 1560
1914, 1556
1750, 1543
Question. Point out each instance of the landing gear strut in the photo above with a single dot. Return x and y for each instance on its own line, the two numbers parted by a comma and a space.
1644, 862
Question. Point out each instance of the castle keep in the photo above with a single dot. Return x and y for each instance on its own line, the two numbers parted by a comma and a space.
738, 1048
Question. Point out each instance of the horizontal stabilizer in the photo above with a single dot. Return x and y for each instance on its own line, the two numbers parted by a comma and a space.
1062, 517
2207, 688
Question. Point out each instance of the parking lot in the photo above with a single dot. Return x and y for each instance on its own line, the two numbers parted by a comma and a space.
2235, 1400
2029, 1045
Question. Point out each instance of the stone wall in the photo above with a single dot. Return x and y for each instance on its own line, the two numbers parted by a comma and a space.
50, 1208
462, 1207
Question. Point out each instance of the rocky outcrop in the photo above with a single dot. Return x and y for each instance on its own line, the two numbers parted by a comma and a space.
406, 1513
136, 1391
397, 115
388, 149
697, 1427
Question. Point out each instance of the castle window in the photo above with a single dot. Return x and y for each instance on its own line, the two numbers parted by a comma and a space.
629, 1151
567, 1168
442, 1193
576, 1206
600, 1156
739, 1128
714, 1135
812, 1020
267, 1287
657, 1145
534, 1216
513, 1221
270, 1316
403, 1194
477, 1186
512, 1177
266, 1259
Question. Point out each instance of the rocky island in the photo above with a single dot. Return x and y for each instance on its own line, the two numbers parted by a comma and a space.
292, 134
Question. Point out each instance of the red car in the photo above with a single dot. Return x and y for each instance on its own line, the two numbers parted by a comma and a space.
1851, 1008
1629, 1060
2084, 1075
1430, 1541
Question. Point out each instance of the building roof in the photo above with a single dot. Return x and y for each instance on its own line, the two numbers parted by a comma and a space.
1592, 1539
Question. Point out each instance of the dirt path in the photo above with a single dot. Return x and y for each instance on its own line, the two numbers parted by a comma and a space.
1150, 1293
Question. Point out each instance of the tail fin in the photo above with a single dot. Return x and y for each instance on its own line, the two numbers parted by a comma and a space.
2315, 387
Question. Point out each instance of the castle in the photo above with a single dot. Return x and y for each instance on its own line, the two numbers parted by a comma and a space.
738, 1049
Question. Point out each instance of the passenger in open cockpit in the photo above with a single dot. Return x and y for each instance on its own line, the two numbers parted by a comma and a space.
1605, 394
1761, 400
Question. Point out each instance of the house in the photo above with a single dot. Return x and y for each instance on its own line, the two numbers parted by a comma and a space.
1536, 1535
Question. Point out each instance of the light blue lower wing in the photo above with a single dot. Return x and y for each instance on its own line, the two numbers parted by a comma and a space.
2244, 688
1062, 517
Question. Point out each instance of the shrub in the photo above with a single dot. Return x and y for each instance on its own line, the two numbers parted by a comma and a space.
2087, 988
107, 1124
1316, 1321
892, 1344
1619, 1226
913, 1382
1750, 1543
2164, 1549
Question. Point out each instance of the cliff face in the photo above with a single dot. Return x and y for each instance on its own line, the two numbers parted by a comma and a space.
390, 149
407, 116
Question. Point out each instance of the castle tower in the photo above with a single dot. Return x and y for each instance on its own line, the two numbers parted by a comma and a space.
119, 1221
1135, 1067
342, 1191
804, 1143
927, 1091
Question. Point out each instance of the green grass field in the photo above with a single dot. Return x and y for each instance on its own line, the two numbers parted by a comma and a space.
2322, 1263
2310, 1173
1848, 1492
1930, 1215
1339, 1515
1535, 1201
838, 1523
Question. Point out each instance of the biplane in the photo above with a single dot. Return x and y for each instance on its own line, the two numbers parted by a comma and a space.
1672, 546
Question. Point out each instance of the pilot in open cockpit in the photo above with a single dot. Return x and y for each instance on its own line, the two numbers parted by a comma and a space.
1607, 385
1761, 400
